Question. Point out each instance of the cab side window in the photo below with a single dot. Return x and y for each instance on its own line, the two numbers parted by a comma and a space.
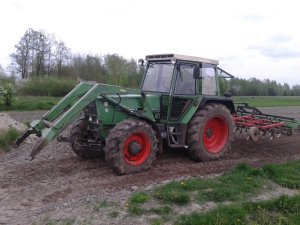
208, 82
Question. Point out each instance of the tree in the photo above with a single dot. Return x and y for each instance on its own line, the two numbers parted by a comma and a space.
2, 73
134, 72
61, 55
38, 54
41, 51
88, 67
286, 89
116, 67
296, 90
21, 58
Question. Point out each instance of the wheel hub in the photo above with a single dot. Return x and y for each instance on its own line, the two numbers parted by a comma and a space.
134, 147
137, 148
209, 133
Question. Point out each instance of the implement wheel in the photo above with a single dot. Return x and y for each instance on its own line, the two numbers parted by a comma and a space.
210, 133
79, 135
131, 146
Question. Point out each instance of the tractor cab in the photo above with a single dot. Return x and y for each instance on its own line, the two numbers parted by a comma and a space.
181, 82
180, 75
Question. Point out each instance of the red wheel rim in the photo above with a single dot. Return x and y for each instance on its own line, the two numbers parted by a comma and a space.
215, 134
141, 156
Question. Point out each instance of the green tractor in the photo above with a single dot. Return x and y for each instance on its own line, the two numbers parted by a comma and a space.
179, 105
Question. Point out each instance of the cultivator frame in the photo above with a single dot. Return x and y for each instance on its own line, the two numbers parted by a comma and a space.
252, 122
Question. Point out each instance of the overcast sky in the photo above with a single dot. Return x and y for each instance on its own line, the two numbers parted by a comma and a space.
250, 38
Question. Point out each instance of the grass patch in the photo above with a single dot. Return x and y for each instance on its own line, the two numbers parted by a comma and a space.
269, 101
283, 210
8, 137
136, 209
135, 201
171, 193
235, 185
287, 175
30, 103
138, 198
155, 222
224, 215
164, 210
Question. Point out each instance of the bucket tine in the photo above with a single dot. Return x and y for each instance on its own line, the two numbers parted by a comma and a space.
22, 138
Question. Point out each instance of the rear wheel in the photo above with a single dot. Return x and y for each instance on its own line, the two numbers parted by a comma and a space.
131, 146
210, 133
79, 138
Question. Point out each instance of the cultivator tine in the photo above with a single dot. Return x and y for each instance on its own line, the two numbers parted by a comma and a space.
236, 130
271, 136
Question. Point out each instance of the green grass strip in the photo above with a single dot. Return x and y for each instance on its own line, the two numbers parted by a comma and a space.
238, 184
287, 175
283, 210
269, 101
30, 103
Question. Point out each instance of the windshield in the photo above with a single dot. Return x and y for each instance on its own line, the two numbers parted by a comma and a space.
158, 77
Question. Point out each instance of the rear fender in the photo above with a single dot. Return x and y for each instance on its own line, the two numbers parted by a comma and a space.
224, 101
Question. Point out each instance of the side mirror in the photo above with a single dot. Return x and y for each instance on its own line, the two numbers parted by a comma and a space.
196, 72
141, 62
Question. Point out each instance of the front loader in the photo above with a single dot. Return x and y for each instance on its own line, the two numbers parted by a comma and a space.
179, 104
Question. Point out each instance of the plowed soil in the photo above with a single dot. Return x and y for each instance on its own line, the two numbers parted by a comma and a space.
60, 184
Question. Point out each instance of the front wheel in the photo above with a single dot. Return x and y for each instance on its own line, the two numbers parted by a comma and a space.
79, 137
210, 133
131, 146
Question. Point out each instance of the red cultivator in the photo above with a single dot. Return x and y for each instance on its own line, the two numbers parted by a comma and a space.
252, 122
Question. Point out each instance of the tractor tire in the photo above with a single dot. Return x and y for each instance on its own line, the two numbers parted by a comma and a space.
131, 147
79, 131
210, 133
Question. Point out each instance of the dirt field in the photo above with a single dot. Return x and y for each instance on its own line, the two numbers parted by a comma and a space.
59, 185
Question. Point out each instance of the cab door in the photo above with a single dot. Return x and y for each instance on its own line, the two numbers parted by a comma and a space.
184, 91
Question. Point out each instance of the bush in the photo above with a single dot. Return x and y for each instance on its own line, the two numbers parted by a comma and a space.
4, 80
47, 86
7, 93
8, 137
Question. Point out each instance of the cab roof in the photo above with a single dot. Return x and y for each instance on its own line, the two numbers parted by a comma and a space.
163, 57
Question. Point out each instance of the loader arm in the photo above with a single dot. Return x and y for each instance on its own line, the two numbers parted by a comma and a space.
51, 125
